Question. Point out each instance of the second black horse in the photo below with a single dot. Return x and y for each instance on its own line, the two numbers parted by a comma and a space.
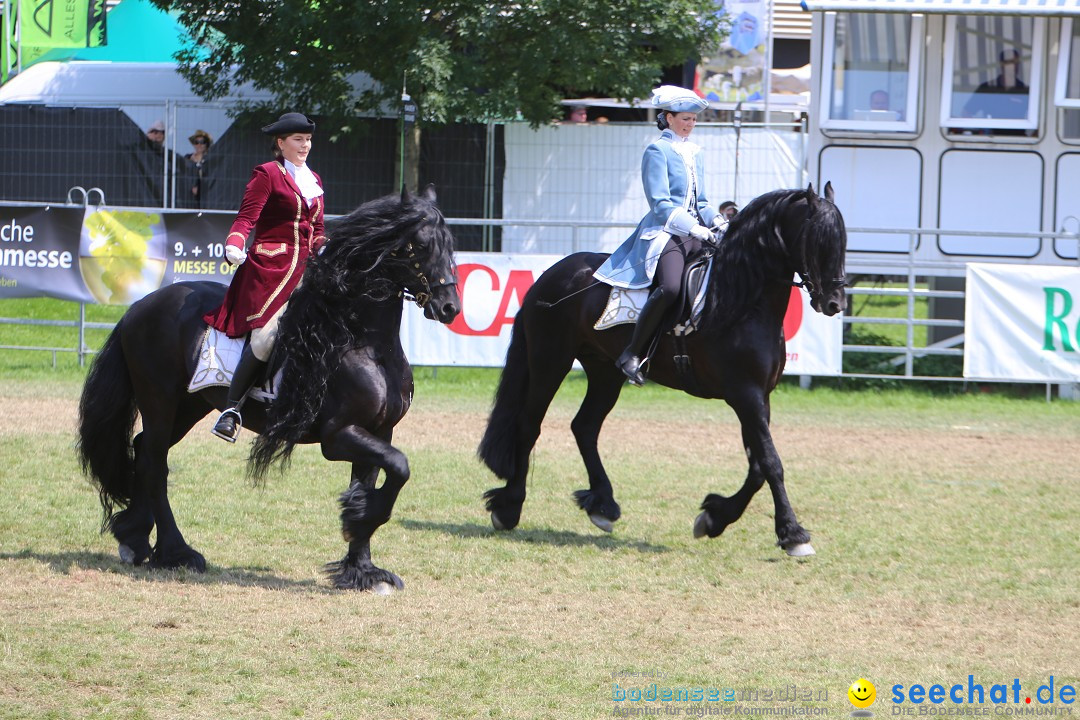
736, 354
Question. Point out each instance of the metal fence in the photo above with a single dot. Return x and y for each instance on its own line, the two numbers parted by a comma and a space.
911, 279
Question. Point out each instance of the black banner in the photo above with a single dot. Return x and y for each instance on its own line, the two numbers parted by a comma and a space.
107, 255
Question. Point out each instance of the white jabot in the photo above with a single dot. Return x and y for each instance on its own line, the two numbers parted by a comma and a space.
305, 180
686, 149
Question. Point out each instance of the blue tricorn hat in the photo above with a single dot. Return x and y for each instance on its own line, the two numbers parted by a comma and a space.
290, 123
673, 98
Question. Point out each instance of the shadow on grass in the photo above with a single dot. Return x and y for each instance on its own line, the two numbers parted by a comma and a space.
538, 536
63, 563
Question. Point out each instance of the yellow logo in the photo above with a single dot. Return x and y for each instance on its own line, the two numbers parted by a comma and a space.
862, 693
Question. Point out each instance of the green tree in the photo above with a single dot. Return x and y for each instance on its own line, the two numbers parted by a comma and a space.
462, 60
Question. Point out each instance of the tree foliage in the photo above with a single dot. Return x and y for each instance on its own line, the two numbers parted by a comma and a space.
461, 60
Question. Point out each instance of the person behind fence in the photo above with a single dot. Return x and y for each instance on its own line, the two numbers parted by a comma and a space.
196, 166
577, 114
674, 229
727, 209
284, 204
156, 134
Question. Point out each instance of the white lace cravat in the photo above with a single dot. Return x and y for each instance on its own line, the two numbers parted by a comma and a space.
305, 180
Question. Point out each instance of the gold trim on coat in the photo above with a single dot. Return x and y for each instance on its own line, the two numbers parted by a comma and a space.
295, 260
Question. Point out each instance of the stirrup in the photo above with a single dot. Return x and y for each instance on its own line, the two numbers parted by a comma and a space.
223, 432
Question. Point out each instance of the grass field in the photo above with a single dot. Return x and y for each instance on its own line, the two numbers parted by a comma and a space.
945, 530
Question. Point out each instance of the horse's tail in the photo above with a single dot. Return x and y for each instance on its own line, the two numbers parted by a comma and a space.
499, 448
107, 413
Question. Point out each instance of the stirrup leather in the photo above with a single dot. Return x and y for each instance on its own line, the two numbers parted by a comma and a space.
223, 432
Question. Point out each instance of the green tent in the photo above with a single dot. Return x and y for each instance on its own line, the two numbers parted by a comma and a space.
136, 32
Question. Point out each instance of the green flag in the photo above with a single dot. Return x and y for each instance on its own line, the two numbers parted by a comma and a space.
61, 23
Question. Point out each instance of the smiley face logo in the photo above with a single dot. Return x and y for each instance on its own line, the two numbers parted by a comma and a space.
862, 693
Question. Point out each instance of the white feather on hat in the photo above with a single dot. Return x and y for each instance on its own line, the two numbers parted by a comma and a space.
673, 98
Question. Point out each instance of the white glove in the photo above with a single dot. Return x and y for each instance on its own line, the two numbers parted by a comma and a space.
701, 233
720, 224
235, 255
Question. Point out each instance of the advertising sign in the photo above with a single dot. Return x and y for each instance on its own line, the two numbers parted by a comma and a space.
107, 255
1022, 322
492, 287
737, 70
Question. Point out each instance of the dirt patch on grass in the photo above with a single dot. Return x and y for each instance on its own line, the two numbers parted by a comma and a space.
23, 415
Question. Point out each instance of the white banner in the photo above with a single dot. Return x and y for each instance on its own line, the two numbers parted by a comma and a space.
1022, 322
492, 287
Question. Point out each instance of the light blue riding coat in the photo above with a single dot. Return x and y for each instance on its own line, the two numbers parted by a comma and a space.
673, 173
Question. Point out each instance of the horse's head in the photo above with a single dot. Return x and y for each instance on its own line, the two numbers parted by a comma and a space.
821, 249
430, 275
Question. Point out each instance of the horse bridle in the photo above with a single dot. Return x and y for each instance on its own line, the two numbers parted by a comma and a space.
423, 297
808, 284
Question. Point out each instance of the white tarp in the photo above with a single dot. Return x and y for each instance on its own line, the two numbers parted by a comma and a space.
143, 91
592, 173
492, 287
1022, 322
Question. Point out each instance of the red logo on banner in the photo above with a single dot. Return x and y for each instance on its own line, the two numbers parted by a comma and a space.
517, 284
793, 316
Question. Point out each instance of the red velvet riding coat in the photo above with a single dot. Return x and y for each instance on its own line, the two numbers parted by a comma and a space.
287, 231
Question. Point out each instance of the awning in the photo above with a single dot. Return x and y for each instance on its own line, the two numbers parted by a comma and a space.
951, 7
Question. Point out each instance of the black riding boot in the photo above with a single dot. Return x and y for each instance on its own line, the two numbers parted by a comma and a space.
247, 369
647, 324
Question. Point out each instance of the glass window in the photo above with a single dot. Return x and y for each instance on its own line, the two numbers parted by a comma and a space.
1067, 86
993, 71
1067, 82
874, 63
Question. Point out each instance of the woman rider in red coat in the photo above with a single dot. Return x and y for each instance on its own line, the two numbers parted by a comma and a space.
284, 204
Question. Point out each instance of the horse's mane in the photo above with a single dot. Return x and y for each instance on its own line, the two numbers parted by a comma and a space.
753, 254
329, 310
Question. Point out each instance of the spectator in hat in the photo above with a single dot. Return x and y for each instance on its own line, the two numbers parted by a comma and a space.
674, 229
283, 204
156, 134
196, 166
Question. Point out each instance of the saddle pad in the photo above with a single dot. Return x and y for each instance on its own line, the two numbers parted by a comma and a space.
625, 305
214, 365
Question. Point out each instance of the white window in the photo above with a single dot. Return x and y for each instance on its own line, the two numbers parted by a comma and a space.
992, 75
1067, 84
872, 67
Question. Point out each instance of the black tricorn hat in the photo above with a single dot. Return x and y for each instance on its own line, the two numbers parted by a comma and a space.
290, 123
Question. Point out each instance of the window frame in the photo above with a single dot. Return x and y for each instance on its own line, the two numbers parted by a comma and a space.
912, 111
1034, 82
1064, 58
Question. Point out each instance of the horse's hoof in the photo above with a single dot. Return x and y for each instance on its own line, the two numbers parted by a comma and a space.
127, 555
601, 522
800, 550
383, 588
496, 522
701, 526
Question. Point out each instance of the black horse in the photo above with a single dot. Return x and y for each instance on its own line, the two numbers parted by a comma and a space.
345, 383
736, 354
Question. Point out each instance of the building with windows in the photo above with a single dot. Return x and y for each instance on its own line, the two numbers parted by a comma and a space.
950, 115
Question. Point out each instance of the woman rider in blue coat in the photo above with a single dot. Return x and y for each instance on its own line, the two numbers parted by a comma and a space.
673, 173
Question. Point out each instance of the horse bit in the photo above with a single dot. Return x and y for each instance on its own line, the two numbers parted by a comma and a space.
423, 297
808, 284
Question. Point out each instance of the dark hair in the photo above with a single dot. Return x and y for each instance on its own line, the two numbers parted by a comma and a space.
274, 149
661, 120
